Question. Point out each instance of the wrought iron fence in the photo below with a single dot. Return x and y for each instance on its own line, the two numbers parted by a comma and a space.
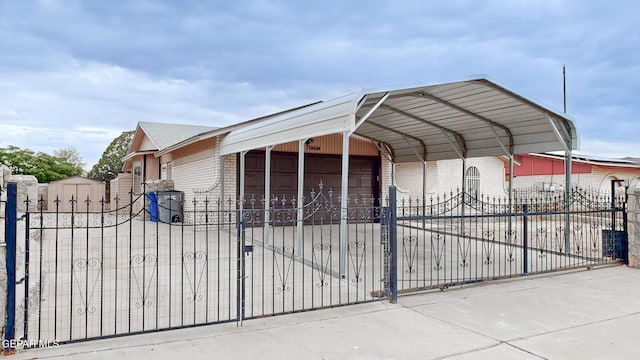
129, 269
301, 258
113, 272
461, 238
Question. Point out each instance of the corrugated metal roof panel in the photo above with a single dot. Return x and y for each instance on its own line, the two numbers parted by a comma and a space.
473, 117
324, 118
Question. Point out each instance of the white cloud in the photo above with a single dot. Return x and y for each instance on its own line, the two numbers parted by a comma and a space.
54, 109
88, 104
618, 149
79, 73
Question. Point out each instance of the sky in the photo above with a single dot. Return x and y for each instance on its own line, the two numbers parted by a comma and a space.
79, 73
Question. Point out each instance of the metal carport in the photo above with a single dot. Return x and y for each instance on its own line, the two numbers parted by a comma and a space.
463, 119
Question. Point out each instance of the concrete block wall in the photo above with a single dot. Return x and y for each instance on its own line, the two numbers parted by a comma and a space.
633, 212
159, 185
5, 173
3, 284
27, 189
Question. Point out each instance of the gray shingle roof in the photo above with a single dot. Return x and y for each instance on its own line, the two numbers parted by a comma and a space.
164, 135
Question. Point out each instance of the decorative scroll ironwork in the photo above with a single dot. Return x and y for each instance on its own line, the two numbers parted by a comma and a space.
194, 267
464, 249
283, 265
559, 239
541, 241
578, 239
488, 245
510, 240
85, 266
143, 286
410, 252
321, 255
438, 245
356, 251
595, 237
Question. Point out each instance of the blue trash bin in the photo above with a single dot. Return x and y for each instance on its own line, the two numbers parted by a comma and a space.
153, 206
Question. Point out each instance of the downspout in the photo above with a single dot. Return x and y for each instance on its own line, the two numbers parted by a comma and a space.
144, 170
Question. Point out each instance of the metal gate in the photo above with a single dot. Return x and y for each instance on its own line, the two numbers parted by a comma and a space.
461, 238
296, 259
126, 269
82, 275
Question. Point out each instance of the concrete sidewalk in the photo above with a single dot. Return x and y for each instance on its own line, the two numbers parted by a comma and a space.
585, 314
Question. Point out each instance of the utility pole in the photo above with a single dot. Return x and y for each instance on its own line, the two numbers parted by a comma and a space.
564, 87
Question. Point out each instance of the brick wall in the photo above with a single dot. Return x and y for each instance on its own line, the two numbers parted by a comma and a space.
198, 175
445, 176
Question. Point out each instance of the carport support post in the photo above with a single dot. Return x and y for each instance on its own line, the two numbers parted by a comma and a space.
393, 173
567, 219
240, 246
424, 191
393, 245
221, 199
300, 218
510, 194
267, 195
344, 197
242, 175
464, 189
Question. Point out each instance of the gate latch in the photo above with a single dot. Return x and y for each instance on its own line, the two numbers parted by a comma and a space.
248, 249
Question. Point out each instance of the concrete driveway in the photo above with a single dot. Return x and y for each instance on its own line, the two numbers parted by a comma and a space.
585, 314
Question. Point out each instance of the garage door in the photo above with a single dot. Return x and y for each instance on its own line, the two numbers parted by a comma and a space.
325, 169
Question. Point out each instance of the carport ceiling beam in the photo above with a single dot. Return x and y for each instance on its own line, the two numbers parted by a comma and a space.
371, 111
420, 157
504, 148
388, 153
460, 149
424, 146
562, 136
474, 115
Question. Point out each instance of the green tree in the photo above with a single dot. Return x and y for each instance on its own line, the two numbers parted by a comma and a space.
110, 163
44, 167
71, 155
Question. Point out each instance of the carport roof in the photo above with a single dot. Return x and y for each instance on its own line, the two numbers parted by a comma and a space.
469, 118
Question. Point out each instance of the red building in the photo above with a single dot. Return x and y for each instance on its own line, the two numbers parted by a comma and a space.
547, 171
